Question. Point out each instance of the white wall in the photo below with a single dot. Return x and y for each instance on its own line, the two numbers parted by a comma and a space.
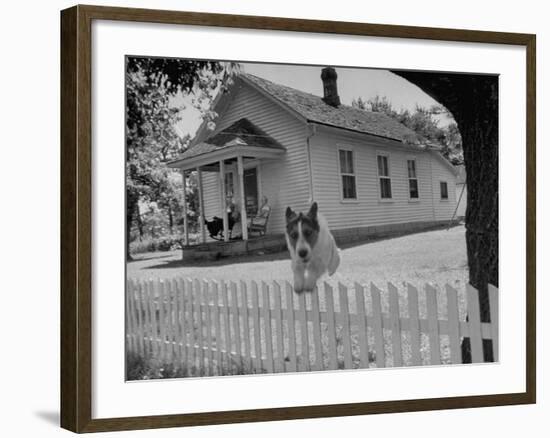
369, 209
30, 217
284, 181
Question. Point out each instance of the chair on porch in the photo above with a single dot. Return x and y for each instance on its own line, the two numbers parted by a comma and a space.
258, 223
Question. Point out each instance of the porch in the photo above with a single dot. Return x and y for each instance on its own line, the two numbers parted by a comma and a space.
216, 250
234, 156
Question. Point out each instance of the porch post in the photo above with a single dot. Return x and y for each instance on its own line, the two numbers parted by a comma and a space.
184, 205
201, 205
223, 202
244, 221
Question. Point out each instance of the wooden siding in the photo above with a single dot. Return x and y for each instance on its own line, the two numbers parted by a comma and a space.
212, 192
369, 209
284, 181
461, 210
444, 209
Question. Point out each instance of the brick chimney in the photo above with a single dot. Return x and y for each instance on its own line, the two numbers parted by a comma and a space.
330, 89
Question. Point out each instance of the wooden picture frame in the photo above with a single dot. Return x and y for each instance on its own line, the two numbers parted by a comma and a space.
76, 218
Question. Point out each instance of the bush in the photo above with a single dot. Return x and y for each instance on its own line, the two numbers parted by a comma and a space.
152, 244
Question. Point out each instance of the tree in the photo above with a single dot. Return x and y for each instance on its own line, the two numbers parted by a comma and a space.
151, 117
423, 123
473, 102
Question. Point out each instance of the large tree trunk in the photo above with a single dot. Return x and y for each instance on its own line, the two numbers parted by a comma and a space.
473, 102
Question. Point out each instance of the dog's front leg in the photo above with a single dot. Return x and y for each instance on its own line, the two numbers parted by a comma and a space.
311, 275
299, 272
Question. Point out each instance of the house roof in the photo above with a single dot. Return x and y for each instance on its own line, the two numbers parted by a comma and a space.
241, 133
314, 109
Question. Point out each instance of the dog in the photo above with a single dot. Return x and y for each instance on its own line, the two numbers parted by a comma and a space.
215, 226
312, 248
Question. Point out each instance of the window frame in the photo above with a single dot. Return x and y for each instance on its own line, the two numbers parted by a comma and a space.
340, 174
412, 158
388, 176
441, 198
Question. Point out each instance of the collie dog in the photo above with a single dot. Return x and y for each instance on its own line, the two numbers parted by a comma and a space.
312, 248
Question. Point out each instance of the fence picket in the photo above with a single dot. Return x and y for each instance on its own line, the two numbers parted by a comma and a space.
176, 326
256, 323
139, 308
433, 325
197, 293
169, 320
316, 322
153, 290
346, 331
162, 320
146, 319
291, 328
397, 353
331, 328
218, 328
191, 324
209, 352
377, 327
304, 344
227, 327
452, 317
267, 328
474, 324
236, 324
362, 325
414, 325
181, 321
247, 352
280, 362
493, 308
130, 321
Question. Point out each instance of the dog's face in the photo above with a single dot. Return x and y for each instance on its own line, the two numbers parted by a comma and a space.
302, 231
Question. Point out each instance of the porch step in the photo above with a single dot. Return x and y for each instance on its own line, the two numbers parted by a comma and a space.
215, 250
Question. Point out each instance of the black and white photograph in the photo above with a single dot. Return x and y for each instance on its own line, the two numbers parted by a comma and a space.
303, 218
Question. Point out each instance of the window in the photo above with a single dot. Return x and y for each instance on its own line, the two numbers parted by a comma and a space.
384, 176
413, 180
347, 173
444, 191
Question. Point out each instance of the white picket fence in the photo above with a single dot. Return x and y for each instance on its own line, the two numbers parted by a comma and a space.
216, 328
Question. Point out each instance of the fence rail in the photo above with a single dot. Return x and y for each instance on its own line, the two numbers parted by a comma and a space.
215, 328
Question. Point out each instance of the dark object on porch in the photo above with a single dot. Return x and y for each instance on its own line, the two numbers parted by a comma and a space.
215, 227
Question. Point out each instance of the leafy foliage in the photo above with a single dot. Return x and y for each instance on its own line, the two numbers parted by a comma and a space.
155, 88
423, 123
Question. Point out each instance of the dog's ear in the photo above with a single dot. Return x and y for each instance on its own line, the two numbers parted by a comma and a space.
312, 213
290, 214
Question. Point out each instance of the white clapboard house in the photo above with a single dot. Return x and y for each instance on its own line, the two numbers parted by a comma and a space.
361, 167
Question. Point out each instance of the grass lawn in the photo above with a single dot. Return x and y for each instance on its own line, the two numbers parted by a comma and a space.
435, 256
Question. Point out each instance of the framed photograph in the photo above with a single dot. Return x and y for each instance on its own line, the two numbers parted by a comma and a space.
269, 219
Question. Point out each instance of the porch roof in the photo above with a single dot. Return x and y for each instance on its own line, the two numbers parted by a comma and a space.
242, 138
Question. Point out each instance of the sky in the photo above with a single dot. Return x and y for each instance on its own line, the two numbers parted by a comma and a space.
352, 83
